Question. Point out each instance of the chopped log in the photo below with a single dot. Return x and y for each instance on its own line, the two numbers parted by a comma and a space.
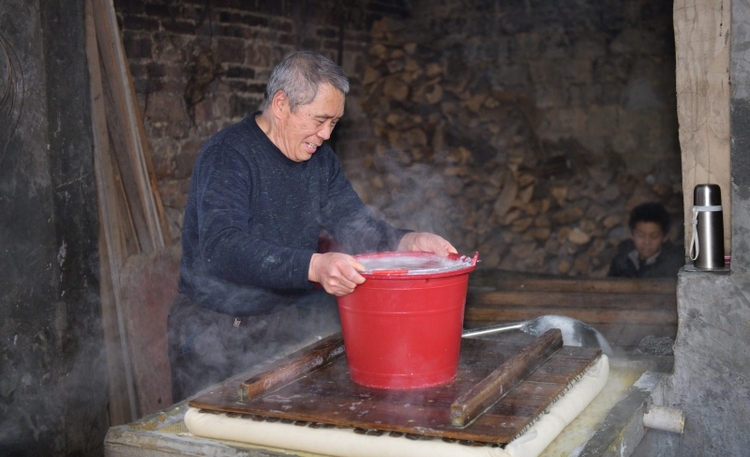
578, 236
520, 225
474, 103
433, 70
370, 75
434, 94
396, 89
506, 197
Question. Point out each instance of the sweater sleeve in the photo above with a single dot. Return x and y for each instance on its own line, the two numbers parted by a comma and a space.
228, 246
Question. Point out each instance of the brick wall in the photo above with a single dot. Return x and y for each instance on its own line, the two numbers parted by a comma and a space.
199, 66
581, 113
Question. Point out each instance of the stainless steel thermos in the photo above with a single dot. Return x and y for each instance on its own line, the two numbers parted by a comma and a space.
707, 245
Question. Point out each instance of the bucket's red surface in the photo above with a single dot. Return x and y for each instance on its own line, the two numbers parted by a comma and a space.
403, 331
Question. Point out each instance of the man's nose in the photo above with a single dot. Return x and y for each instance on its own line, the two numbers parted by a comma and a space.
325, 130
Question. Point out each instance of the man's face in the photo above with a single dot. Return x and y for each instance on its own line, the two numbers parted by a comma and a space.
648, 238
303, 130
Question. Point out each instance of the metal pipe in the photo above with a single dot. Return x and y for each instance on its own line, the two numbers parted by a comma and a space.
663, 418
492, 329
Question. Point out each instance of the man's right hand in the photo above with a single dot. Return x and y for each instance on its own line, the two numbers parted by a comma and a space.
336, 272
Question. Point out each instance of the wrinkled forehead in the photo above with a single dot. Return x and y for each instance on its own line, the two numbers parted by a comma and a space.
328, 102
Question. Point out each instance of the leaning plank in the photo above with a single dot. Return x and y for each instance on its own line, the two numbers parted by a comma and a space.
295, 366
127, 133
483, 395
112, 247
148, 283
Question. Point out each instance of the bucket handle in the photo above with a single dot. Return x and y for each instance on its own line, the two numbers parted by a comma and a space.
475, 259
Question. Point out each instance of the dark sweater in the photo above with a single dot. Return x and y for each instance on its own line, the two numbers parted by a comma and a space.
253, 219
666, 265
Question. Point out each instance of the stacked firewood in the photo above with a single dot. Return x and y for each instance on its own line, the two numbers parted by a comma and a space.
458, 158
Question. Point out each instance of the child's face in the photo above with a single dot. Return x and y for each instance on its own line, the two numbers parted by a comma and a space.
648, 238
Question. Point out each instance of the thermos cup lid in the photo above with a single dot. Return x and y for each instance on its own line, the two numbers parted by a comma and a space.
707, 195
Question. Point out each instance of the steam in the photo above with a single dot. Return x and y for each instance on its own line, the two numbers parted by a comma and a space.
222, 350
415, 197
413, 187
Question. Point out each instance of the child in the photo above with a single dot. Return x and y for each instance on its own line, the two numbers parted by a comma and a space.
648, 254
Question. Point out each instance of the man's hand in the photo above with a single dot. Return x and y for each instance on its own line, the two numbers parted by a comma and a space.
336, 272
426, 242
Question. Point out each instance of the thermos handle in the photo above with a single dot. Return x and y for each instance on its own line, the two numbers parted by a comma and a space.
694, 246
694, 243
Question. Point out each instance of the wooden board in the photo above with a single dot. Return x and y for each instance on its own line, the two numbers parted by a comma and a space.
703, 58
514, 281
148, 284
288, 370
623, 310
328, 397
507, 376
132, 222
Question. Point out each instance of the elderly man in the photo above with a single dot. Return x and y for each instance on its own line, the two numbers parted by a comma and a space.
261, 192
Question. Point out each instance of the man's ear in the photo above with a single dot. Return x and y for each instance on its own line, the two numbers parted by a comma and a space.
279, 104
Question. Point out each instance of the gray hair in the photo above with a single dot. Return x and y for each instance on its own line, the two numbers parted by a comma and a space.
300, 74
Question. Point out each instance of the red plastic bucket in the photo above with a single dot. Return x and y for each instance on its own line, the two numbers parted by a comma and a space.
402, 326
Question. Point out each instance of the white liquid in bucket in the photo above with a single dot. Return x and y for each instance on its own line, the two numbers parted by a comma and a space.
414, 263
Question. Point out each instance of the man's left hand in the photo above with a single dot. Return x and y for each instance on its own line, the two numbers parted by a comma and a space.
426, 242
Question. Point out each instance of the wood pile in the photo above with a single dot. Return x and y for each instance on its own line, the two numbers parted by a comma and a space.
455, 156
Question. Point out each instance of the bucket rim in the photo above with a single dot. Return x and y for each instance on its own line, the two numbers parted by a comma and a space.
463, 264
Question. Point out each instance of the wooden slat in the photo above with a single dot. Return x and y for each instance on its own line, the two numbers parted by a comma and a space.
126, 129
148, 283
499, 280
477, 399
591, 316
624, 310
573, 300
302, 363
122, 398
131, 215
121, 405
